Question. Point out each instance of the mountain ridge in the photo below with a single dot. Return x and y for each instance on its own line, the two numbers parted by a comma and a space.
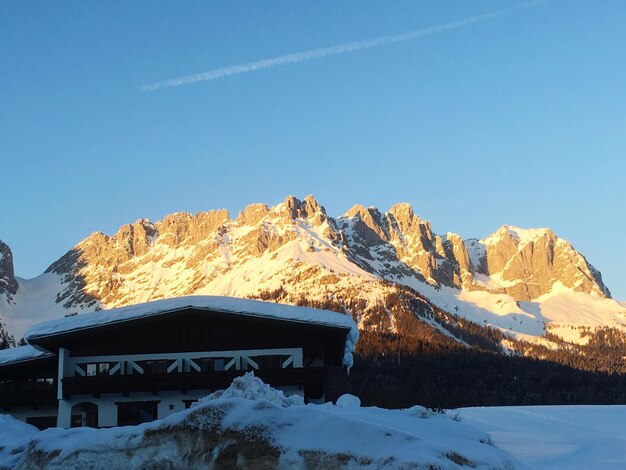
296, 246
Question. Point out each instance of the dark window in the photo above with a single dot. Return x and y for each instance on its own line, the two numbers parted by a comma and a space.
136, 412
155, 367
97, 368
42, 422
188, 403
313, 392
213, 364
45, 382
268, 362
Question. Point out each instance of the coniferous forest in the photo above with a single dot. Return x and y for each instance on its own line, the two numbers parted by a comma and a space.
423, 362
397, 371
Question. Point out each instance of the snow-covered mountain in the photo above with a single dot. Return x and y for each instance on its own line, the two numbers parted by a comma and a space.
521, 281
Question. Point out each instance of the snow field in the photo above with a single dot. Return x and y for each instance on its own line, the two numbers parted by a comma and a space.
556, 437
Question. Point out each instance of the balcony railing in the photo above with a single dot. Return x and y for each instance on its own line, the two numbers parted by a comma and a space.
217, 361
186, 381
14, 393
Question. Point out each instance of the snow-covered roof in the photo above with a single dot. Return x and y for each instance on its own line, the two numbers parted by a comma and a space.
232, 305
21, 353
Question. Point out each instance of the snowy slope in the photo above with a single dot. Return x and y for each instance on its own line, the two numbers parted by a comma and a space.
35, 301
550, 437
562, 311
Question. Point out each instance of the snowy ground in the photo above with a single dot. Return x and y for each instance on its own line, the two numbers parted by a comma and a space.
556, 437
251, 425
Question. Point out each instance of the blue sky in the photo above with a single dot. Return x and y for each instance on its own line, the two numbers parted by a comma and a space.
520, 119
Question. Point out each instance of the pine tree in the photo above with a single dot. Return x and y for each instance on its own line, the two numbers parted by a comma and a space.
6, 340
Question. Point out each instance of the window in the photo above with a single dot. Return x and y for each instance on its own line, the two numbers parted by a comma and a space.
159, 367
212, 365
155, 367
42, 422
136, 412
268, 362
97, 368
43, 383
313, 392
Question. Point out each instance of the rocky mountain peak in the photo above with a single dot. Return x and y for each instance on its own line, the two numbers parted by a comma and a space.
135, 239
182, 228
409, 225
8, 284
521, 235
282, 246
403, 213
253, 214
314, 211
293, 208
362, 212
295, 247
402, 217
367, 224
532, 261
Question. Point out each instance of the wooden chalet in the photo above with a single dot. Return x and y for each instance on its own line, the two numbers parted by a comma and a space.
139, 363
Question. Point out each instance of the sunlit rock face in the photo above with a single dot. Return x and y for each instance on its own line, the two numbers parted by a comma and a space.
296, 250
530, 262
184, 253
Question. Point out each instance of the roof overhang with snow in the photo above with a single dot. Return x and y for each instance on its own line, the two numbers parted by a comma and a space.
43, 333
22, 355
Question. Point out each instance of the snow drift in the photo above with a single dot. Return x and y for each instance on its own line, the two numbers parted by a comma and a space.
251, 425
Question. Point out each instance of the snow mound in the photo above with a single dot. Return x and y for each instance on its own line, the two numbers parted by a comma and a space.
250, 387
10, 426
250, 425
13, 435
348, 401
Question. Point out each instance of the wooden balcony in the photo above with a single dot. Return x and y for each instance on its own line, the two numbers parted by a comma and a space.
32, 394
185, 381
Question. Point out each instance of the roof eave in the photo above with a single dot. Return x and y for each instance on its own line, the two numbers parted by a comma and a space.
35, 338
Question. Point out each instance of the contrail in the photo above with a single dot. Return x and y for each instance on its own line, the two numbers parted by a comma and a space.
332, 50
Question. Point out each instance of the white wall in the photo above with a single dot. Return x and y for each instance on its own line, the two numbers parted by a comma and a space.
169, 402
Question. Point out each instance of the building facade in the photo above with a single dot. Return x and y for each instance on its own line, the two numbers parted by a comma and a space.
136, 364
